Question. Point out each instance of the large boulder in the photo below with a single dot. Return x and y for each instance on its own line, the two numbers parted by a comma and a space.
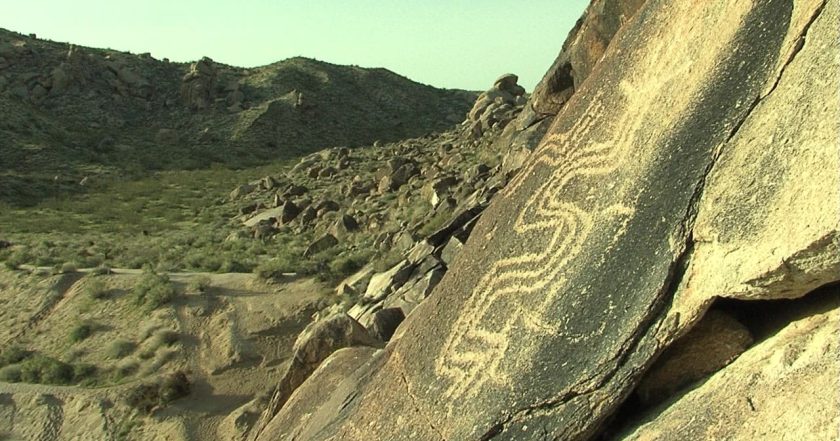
198, 84
497, 106
783, 388
682, 170
314, 345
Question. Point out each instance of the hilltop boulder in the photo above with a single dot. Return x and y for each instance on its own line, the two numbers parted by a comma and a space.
198, 84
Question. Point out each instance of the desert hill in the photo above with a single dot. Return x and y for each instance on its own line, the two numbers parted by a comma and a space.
643, 248
70, 112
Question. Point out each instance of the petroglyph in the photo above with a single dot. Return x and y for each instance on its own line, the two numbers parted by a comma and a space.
564, 212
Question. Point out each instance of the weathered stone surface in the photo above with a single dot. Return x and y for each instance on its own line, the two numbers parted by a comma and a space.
382, 284
241, 190
450, 250
783, 388
198, 84
306, 412
288, 212
272, 213
317, 342
578, 270
385, 322
712, 344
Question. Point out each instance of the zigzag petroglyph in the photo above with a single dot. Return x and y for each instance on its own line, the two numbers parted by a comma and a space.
472, 355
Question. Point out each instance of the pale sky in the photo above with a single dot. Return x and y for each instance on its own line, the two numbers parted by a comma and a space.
446, 43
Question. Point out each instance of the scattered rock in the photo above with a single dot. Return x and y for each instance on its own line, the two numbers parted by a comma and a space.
452, 248
240, 191
314, 345
323, 243
288, 212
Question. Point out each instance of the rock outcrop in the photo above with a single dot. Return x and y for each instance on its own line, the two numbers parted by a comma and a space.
681, 170
199, 84
496, 107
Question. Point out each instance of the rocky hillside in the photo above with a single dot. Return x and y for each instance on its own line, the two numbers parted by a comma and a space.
70, 112
664, 266
646, 247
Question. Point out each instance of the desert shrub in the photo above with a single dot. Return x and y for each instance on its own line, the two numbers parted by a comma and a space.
387, 260
101, 270
199, 284
275, 268
80, 332
120, 348
45, 370
83, 372
153, 290
143, 397
162, 337
16, 259
436, 222
165, 337
173, 386
344, 266
13, 355
96, 288
10, 374
148, 396
122, 371
68, 267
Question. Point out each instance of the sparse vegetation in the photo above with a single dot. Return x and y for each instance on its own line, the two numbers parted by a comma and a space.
149, 396
95, 288
68, 267
153, 290
199, 285
80, 332
120, 348
273, 269
19, 365
13, 354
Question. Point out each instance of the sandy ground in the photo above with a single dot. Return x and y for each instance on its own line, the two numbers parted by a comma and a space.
233, 339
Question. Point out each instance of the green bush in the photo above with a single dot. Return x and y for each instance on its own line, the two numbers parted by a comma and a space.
153, 290
199, 284
13, 355
144, 397
80, 332
101, 270
275, 268
96, 288
120, 349
83, 371
45, 370
10, 374
174, 386
148, 396
122, 371
16, 259
68, 267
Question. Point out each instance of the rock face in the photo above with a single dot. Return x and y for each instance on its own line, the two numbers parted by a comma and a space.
314, 345
198, 85
783, 388
497, 106
681, 170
